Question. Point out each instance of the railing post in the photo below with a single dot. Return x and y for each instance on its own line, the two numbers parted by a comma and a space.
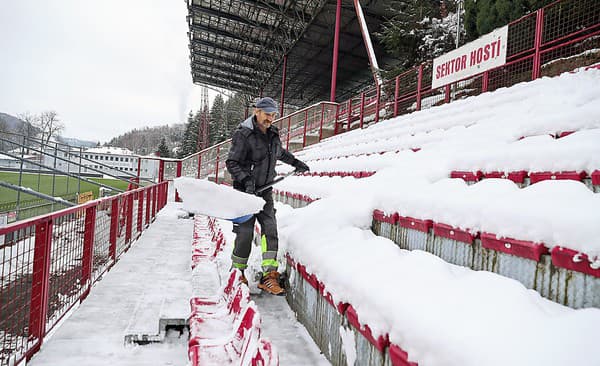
321, 127
396, 92
148, 192
88, 250
139, 167
199, 166
38, 311
287, 143
217, 165
114, 228
305, 126
485, 78
140, 213
337, 116
129, 219
154, 196
349, 114
419, 83
362, 108
179, 168
377, 102
161, 170
447, 94
539, 29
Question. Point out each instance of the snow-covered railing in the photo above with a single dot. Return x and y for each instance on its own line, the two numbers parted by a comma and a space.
49, 263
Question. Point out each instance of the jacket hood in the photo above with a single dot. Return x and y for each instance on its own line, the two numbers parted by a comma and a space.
248, 123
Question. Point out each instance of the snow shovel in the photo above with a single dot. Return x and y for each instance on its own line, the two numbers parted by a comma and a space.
242, 219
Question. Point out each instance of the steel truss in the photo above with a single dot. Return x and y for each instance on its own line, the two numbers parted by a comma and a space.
240, 45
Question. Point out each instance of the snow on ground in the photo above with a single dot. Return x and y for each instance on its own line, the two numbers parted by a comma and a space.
153, 280
440, 313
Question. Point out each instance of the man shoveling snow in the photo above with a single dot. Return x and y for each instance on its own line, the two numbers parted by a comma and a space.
255, 149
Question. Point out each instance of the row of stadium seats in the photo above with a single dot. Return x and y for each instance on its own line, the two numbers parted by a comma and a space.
315, 290
225, 326
524, 178
531, 263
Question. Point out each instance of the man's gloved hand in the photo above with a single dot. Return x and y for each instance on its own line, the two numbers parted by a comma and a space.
300, 166
250, 188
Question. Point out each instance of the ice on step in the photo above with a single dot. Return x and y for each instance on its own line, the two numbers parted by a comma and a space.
201, 196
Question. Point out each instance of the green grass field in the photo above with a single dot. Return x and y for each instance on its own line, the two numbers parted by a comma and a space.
63, 185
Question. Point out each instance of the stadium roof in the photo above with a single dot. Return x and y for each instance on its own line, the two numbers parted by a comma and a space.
239, 45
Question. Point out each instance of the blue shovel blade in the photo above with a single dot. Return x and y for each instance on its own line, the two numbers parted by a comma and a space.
241, 219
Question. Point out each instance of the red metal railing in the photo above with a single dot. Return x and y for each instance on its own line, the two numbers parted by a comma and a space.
49, 263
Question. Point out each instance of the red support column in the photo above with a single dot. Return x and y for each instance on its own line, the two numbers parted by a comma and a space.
282, 100
336, 44
217, 165
129, 218
38, 311
88, 250
377, 103
114, 229
396, 92
447, 94
362, 108
539, 29
419, 84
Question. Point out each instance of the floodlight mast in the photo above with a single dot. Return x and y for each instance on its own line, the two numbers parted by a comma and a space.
368, 44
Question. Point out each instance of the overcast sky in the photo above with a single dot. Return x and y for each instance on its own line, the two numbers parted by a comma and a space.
105, 67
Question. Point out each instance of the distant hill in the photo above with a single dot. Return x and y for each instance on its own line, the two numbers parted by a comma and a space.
12, 122
76, 142
145, 141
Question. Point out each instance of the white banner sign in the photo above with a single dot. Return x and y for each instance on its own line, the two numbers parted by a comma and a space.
484, 53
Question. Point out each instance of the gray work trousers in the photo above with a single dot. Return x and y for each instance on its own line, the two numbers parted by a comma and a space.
269, 240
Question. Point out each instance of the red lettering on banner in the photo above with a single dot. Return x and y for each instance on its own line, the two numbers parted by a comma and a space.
489, 51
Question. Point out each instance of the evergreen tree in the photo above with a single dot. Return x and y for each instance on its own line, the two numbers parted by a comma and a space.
217, 130
190, 136
163, 149
483, 16
235, 109
416, 32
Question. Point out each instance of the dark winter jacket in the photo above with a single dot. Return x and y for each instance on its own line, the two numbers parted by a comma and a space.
254, 154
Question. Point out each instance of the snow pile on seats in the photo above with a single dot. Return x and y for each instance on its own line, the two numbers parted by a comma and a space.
442, 314
224, 322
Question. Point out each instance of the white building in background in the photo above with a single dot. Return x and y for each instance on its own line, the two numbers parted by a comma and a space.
107, 160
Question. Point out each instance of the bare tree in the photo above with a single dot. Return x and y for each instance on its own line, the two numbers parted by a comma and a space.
49, 125
28, 129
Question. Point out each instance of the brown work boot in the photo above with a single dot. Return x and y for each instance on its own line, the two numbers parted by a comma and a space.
270, 283
243, 279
